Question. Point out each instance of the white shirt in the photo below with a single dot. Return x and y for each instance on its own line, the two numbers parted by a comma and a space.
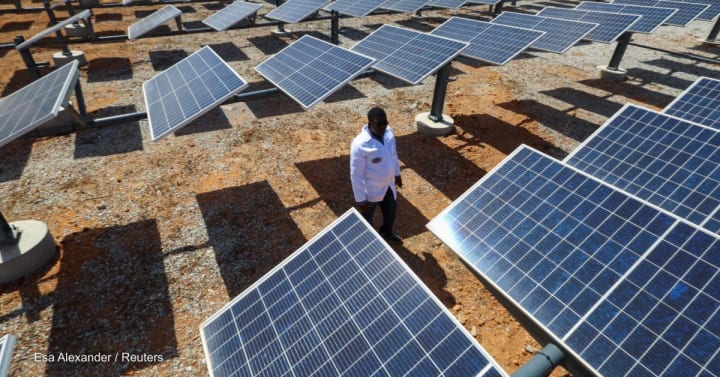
373, 165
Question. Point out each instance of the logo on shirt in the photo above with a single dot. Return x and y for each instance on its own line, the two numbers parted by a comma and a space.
376, 160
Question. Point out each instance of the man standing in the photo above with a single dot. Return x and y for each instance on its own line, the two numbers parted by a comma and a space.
375, 172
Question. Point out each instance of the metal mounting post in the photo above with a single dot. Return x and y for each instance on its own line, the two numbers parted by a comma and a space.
334, 27
32, 67
542, 363
50, 12
178, 22
7, 235
617, 56
712, 37
81, 103
438, 102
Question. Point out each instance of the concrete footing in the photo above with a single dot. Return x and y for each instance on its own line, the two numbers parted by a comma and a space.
61, 59
427, 126
35, 246
73, 30
610, 74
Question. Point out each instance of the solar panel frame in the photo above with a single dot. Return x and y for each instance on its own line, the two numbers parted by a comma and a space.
195, 85
7, 343
15, 108
687, 12
308, 52
405, 6
294, 11
152, 21
492, 43
610, 25
559, 35
376, 310
408, 54
448, 4
355, 8
232, 14
699, 103
652, 17
84, 15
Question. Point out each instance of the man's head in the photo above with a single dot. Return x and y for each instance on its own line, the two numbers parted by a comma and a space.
377, 121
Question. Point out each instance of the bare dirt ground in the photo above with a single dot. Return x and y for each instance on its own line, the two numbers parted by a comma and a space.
154, 237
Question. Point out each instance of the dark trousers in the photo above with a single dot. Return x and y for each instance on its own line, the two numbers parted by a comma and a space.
388, 207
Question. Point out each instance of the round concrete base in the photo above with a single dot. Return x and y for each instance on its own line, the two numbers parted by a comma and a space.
427, 126
612, 74
280, 33
73, 30
35, 247
61, 59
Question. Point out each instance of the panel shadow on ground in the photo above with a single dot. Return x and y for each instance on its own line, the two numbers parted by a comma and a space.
250, 230
558, 120
111, 297
109, 69
14, 157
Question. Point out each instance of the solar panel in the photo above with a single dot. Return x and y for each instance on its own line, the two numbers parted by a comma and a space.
652, 17
686, 13
232, 14
628, 289
36, 103
85, 14
343, 304
493, 43
407, 54
295, 11
355, 8
407, 6
610, 25
710, 13
666, 161
152, 21
187, 90
7, 343
700, 103
559, 35
450, 4
309, 70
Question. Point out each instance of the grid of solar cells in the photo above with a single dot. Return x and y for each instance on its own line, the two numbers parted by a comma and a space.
407, 6
187, 90
700, 103
652, 17
232, 14
355, 8
559, 35
152, 21
450, 4
610, 25
36, 103
295, 11
343, 304
687, 12
7, 343
407, 54
664, 160
309, 70
710, 13
493, 43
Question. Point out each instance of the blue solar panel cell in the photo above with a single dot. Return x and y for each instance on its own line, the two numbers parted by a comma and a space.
231, 15
152, 21
700, 103
493, 43
344, 304
610, 25
652, 17
669, 162
686, 11
355, 8
294, 11
559, 35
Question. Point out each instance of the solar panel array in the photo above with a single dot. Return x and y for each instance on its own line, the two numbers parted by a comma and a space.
687, 12
309, 70
664, 160
700, 103
652, 17
610, 25
355, 8
187, 90
407, 54
36, 103
710, 13
295, 11
7, 343
343, 304
152, 21
489, 42
231, 14
408, 6
629, 289
559, 35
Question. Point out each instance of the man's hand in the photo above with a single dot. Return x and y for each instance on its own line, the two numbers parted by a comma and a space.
398, 181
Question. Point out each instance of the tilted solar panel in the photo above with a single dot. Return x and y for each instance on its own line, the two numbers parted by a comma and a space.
407, 54
343, 304
652, 17
36, 103
294, 11
7, 343
700, 103
686, 13
664, 160
710, 13
231, 14
559, 35
309, 70
407, 6
627, 288
187, 90
355, 8
152, 21
610, 25
493, 43
450, 4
